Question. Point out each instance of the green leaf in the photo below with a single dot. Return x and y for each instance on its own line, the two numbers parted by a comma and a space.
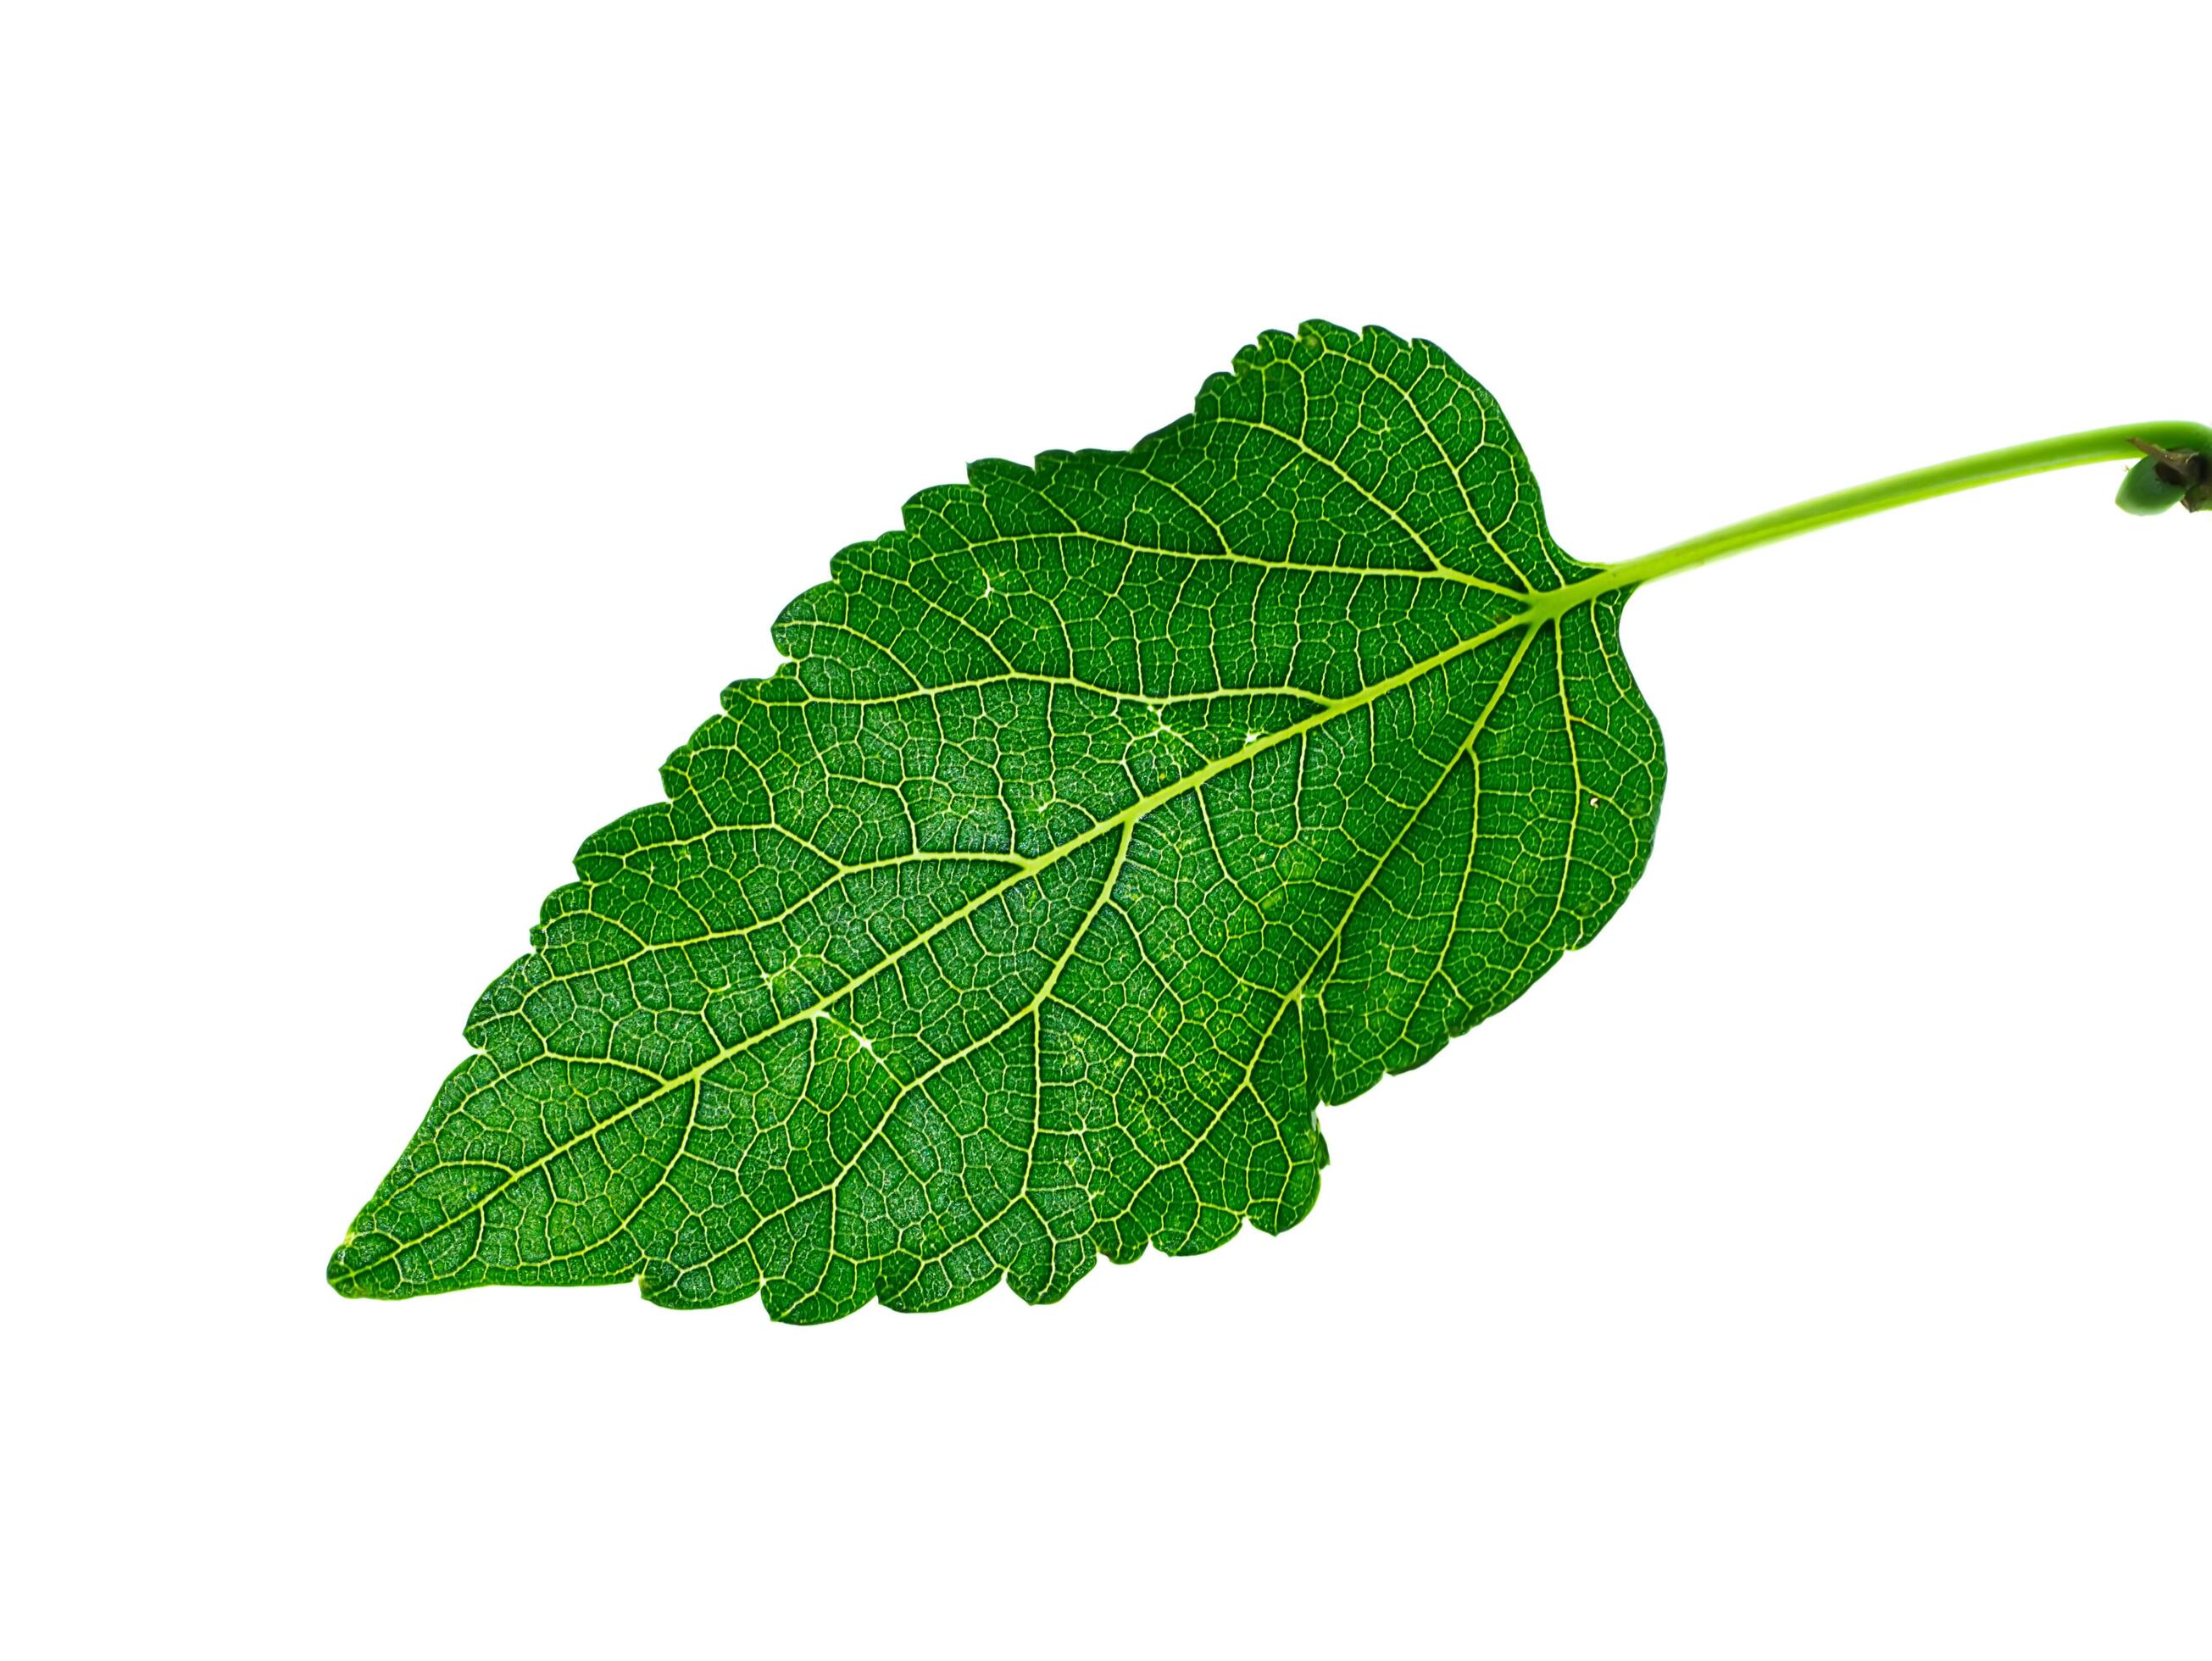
1105, 821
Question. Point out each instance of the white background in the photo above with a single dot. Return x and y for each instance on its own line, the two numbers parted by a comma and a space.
413, 416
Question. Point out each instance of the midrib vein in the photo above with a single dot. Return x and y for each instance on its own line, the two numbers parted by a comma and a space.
1545, 607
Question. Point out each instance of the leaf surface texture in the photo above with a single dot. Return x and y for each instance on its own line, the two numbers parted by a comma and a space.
1104, 821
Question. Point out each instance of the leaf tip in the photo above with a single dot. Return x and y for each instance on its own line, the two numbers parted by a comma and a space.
347, 1268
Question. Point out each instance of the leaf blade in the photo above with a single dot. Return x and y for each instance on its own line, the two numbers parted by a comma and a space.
1106, 819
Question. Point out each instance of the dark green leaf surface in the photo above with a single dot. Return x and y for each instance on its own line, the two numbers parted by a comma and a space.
1105, 821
